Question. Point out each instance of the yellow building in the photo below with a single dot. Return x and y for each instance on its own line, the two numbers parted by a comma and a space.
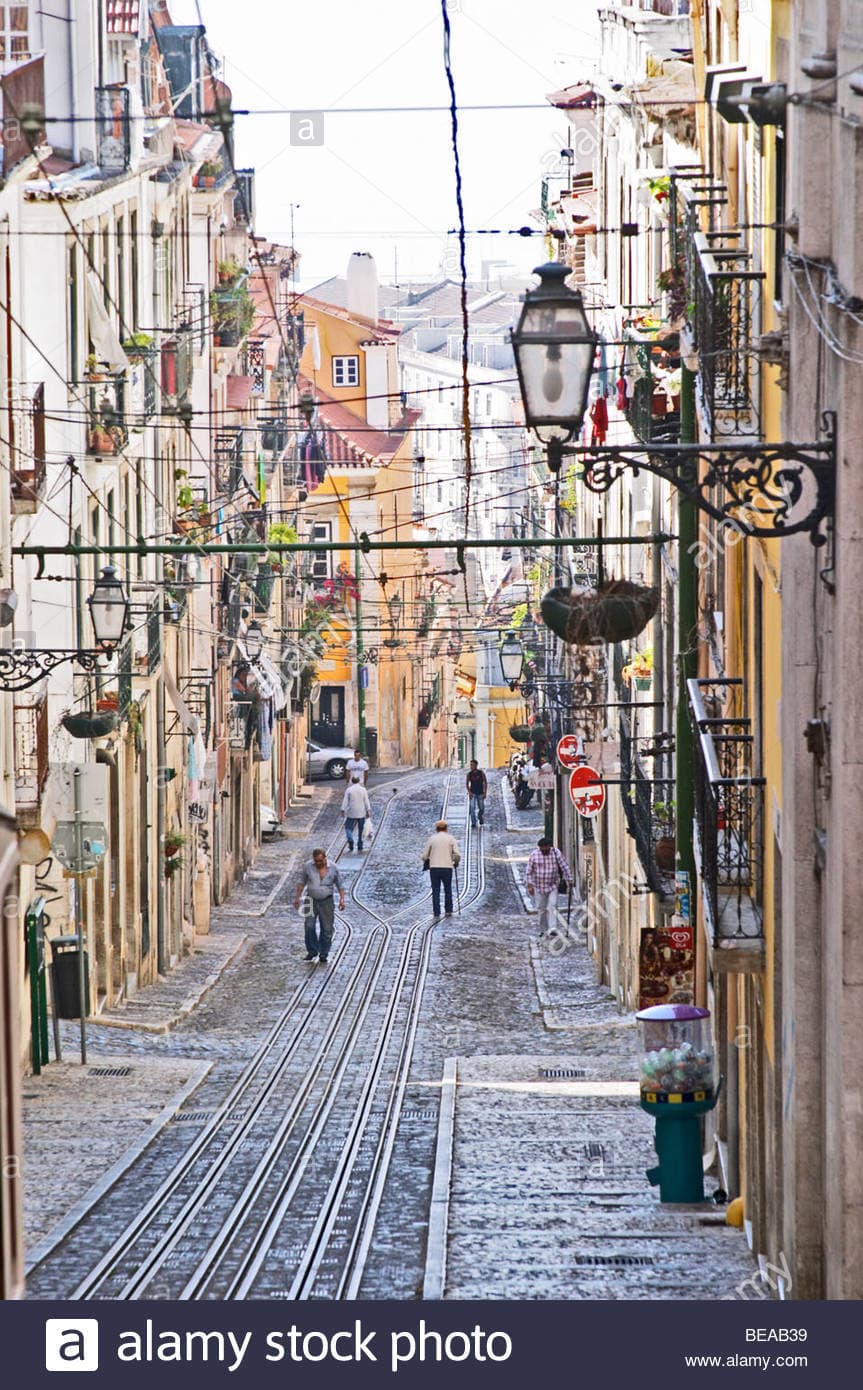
370, 617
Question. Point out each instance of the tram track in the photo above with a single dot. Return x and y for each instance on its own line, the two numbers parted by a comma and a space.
214, 1226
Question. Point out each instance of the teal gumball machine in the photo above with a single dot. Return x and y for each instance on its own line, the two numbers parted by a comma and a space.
678, 1086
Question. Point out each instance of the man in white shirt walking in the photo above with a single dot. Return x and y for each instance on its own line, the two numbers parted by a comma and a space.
443, 856
356, 807
357, 766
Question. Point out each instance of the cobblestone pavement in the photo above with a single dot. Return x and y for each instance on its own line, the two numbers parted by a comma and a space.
302, 1164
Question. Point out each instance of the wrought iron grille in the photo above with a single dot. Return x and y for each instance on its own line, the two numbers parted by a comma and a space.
724, 295
107, 429
27, 447
641, 794
154, 637
125, 659
729, 812
228, 452
646, 408
113, 129
30, 722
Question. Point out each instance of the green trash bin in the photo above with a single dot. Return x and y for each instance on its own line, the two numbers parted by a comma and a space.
65, 965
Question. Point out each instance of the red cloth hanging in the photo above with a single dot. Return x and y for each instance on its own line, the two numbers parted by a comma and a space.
622, 399
599, 418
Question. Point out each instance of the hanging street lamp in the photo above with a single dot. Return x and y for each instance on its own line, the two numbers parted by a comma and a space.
253, 641
21, 667
768, 490
554, 347
109, 610
511, 659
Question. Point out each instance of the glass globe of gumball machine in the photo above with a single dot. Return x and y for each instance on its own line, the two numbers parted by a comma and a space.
678, 1086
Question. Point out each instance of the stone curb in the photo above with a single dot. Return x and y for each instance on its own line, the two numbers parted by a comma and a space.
181, 1011
434, 1279
76, 1214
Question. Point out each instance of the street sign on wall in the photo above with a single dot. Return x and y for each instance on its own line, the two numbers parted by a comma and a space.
586, 791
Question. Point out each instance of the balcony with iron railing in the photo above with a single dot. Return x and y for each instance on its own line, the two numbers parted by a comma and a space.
30, 724
653, 407
228, 455
728, 826
722, 296
26, 424
649, 813
177, 354
107, 427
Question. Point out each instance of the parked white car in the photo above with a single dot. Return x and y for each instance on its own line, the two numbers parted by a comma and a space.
269, 820
327, 762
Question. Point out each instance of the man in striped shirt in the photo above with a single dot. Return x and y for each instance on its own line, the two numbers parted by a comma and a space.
545, 868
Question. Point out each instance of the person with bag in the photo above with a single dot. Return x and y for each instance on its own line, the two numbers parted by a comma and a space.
320, 881
356, 808
476, 783
547, 870
440, 856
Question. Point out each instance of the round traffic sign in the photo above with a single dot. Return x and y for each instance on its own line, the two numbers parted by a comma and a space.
570, 750
586, 790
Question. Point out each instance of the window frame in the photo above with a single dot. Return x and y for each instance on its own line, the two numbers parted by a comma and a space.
352, 371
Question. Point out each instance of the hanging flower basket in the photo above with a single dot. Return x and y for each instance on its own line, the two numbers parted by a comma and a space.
520, 733
614, 612
90, 723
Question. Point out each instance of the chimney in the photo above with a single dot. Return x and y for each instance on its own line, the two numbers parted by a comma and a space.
362, 281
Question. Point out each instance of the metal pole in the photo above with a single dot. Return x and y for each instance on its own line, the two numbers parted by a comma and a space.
687, 647
81, 916
161, 881
361, 694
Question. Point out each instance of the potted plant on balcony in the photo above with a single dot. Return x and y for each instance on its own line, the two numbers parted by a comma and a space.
208, 173
173, 865
664, 845
672, 282
639, 672
229, 271
101, 441
614, 611
94, 370
135, 346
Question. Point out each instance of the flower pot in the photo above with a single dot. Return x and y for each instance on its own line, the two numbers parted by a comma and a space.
658, 403
614, 612
99, 441
665, 854
642, 682
109, 701
90, 724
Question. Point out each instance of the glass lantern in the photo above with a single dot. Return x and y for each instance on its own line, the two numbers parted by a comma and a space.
677, 1060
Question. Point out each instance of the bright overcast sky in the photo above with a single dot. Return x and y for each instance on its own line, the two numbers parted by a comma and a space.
384, 182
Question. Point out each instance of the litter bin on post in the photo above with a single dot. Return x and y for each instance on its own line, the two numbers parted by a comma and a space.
65, 968
678, 1086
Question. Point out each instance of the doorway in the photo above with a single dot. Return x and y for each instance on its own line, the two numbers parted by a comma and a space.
328, 723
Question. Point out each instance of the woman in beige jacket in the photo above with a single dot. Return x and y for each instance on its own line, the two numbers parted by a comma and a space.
443, 855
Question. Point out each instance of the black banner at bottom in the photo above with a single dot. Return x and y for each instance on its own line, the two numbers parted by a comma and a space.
423, 1344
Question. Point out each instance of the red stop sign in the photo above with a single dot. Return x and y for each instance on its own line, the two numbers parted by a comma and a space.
586, 791
570, 750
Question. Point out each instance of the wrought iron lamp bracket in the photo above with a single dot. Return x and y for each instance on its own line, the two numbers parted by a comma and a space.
761, 489
21, 668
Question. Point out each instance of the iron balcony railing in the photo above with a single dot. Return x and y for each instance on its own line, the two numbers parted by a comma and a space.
228, 453
724, 298
30, 724
729, 813
113, 129
653, 414
125, 668
107, 427
27, 446
177, 365
644, 805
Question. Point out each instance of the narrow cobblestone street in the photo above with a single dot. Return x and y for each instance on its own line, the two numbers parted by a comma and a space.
271, 1129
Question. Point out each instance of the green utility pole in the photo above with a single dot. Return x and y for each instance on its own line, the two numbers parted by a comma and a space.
361, 694
687, 633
